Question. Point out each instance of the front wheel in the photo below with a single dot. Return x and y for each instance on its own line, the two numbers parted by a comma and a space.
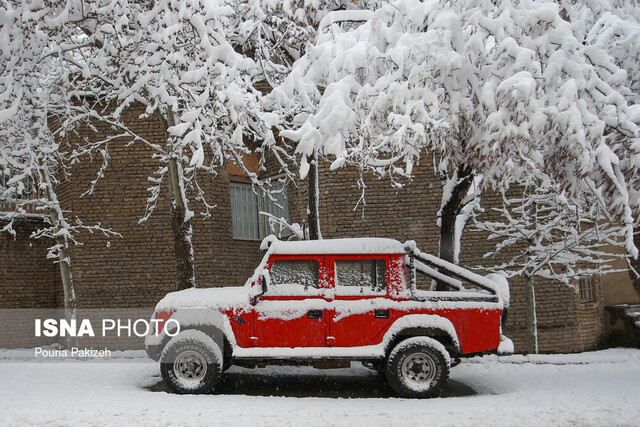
191, 363
418, 367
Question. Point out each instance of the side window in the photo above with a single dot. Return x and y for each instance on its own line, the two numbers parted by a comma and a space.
361, 277
294, 277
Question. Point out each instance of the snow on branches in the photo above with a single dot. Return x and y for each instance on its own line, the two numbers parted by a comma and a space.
556, 237
500, 89
43, 98
542, 231
174, 58
41, 101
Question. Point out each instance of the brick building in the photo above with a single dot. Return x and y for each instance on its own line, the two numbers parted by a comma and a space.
138, 269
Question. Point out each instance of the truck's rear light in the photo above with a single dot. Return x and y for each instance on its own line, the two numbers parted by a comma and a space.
161, 319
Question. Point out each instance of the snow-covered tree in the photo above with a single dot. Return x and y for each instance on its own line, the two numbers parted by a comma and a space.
174, 58
276, 34
498, 89
614, 26
336, 23
545, 233
41, 101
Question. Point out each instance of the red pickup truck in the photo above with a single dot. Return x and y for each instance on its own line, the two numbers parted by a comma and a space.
328, 303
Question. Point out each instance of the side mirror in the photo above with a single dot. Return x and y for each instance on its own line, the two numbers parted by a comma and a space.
263, 289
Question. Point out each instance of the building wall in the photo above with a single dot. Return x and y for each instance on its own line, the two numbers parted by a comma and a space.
27, 278
403, 213
138, 269
29, 283
410, 213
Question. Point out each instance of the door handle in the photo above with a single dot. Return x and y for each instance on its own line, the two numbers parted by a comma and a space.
381, 314
314, 314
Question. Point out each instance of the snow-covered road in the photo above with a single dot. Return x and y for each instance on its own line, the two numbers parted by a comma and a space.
597, 388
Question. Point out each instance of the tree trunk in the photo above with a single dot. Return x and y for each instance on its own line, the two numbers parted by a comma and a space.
447, 234
313, 210
180, 218
532, 318
70, 305
530, 290
183, 247
62, 242
634, 271
449, 215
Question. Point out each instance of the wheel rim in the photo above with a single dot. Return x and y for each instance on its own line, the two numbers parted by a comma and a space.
190, 366
419, 367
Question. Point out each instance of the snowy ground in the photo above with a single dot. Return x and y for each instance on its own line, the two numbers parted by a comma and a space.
598, 388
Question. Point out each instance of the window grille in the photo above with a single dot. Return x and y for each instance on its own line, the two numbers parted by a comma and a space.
585, 286
246, 205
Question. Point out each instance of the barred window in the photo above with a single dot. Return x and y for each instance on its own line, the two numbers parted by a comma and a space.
246, 205
585, 286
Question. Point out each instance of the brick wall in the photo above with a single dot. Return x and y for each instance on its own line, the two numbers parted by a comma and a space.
564, 323
29, 283
27, 278
134, 270
410, 213
404, 213
138, 269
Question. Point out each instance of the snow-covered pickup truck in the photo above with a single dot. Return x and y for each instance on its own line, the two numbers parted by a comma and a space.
328, 303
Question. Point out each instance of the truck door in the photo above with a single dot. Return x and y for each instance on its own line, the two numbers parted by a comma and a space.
292, 311
361, 306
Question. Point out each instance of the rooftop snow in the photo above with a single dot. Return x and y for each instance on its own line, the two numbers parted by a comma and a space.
363, 245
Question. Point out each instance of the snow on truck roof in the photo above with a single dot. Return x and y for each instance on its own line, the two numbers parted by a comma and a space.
361, 245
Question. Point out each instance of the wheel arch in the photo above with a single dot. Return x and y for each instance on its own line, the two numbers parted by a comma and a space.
210, 322
437, 334
428, 325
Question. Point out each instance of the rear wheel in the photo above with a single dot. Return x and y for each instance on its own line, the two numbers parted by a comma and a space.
418, 367
191, 363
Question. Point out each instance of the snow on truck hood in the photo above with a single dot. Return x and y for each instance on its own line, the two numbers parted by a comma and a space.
215, 298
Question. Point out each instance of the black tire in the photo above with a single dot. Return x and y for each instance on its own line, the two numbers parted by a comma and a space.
191, 363
418, 367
